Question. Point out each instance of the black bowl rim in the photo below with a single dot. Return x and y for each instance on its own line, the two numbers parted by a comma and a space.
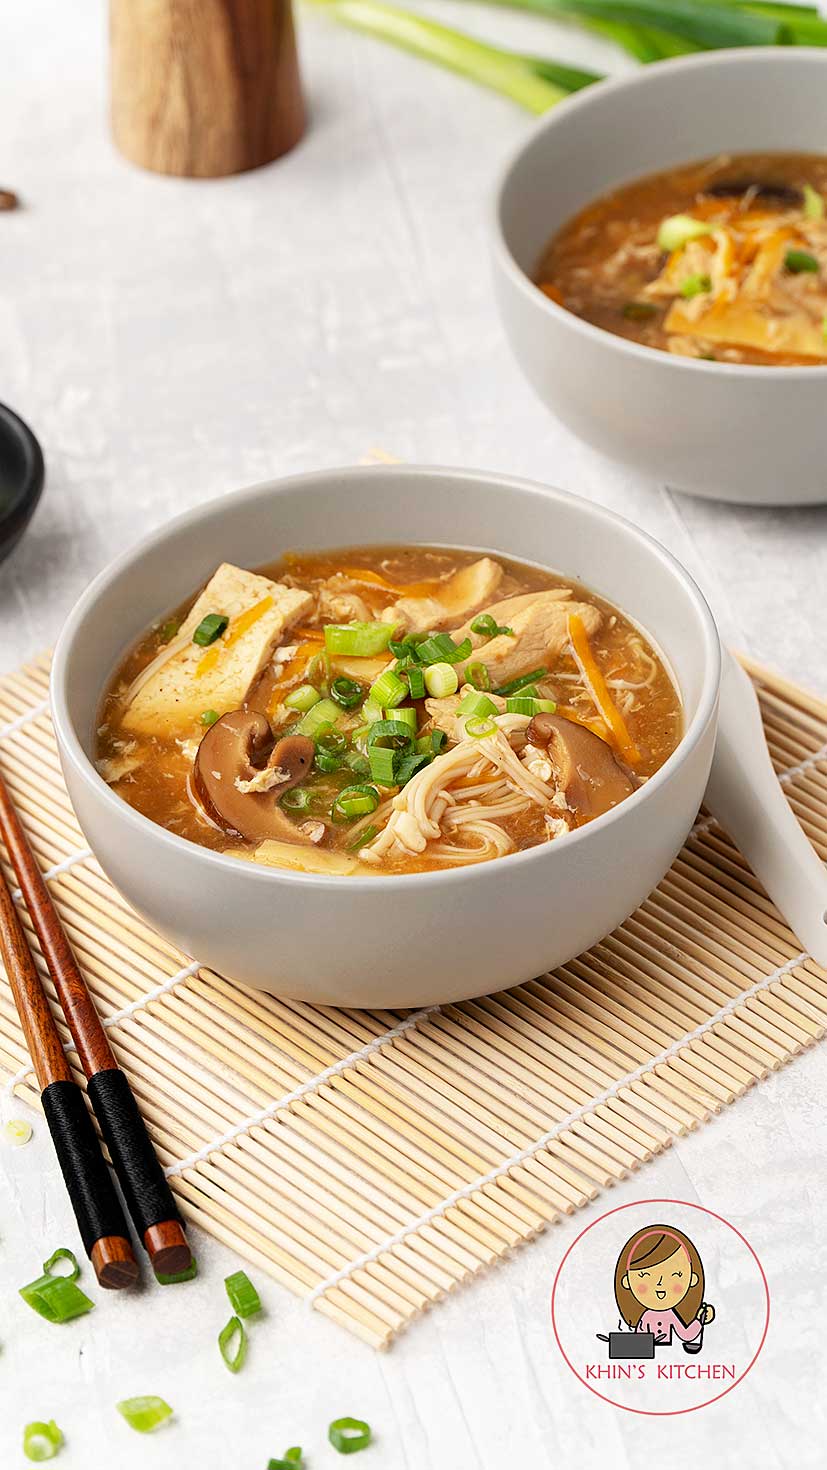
27, 492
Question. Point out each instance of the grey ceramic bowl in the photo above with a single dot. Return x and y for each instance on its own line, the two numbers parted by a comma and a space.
732, 432
397, 940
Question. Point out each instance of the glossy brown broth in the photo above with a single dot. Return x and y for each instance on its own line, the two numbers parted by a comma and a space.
153, 771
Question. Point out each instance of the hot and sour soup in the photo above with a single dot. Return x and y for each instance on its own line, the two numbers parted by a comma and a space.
386, 710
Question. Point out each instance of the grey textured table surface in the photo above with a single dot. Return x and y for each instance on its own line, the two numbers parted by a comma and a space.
170, 341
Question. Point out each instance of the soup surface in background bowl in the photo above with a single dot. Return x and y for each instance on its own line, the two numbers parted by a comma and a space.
723, 259
385, 710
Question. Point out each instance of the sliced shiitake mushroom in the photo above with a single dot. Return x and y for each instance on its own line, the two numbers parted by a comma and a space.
585, 768
229, 763
774, 193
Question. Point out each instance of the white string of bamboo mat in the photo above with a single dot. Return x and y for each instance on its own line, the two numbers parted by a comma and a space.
304, 1088
377, 1183
562, 1126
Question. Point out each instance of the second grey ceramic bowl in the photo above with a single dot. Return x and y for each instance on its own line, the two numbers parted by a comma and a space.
732, 432
417, 938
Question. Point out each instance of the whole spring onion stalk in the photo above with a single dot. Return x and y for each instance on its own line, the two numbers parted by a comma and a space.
649, 30
534, 82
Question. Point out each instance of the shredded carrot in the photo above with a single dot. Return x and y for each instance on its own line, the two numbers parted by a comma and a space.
238, 627
597, 727
599, 690
553, 292
406, 589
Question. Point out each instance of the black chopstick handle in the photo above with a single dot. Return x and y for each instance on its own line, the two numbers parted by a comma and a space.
88, 1181
149, 1199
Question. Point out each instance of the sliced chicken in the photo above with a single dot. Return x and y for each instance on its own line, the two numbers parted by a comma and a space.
340, 602
539, 632
186, 679
460, 595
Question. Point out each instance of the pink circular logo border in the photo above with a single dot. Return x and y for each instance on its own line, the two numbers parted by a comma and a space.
691, 1408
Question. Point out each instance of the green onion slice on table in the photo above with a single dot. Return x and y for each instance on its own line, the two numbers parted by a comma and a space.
145, 1413
41, 1440
178, 1276
18, 1132
244, 1299
232, 1344
56, 1298
62, 1253
349, 1435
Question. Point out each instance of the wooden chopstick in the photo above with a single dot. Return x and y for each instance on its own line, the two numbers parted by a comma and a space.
101, 1221
148, 1197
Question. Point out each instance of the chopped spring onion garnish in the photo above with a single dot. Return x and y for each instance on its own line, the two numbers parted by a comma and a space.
347, 692
297, 800
41, 1441
393, 733
357, 763
244, 1299
209, 716
56, 1298
478, 727
405, 648
144, 1413
408, 765
696, 285
18, 1132
232, 1344
62, 1254
679, 229
441, 680
331, 747
288, 1461
477, 675
349, 1435
210, 628
293, 1456
388, 690
169, 630
363, 838
382, 763
798, 261
440, 648
521, 704
639, 311
404, 716
302, 698
353, 802
476, 703
813, 202
323, 713
431, 744
416, 682
372, 711
189, 1275
358, 640
488, 627
516, 685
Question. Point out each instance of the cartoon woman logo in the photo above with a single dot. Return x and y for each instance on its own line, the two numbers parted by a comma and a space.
659, 1287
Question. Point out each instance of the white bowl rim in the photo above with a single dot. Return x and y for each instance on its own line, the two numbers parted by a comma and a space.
772, 56
196, 854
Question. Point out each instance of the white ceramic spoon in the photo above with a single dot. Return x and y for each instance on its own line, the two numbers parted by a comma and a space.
745, 795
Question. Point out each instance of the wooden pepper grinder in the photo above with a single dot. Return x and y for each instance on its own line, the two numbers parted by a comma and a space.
203, 88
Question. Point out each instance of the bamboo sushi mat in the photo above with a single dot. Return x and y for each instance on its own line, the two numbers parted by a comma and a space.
371, 1161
